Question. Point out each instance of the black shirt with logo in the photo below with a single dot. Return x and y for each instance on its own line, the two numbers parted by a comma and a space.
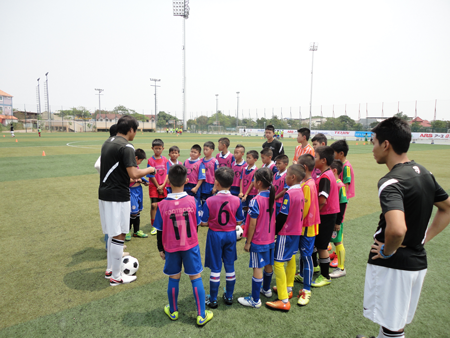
410, 188
117, 155
276, 147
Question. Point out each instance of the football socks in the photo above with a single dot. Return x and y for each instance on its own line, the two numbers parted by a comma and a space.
324, 267
256, 288
214, 283
267, 279
280, 276
199, 296
340, 252
385, 333
172, 293
108, 255
116, 253
290, 272
307, 271
231, 280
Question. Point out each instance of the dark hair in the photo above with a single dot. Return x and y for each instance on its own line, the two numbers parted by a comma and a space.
126, 123
113, 130
267, 152
197, 147
298, 171
320, 138
157, 142
240, 146
140, 154
174, 148
253, 153
305, 132
224, 176
270, 127
282, 158
308, 160
339, 146
337, 164
177, 175
265, 176
225, 141
396, 131
326, 152
210, 145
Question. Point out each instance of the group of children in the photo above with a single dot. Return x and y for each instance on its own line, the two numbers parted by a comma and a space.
283, 210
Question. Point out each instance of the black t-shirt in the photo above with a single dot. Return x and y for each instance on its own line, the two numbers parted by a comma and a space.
12, 127
117, 155
411, 188
276, 146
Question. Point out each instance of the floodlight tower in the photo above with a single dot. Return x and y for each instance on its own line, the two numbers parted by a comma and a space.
181, 8
47, 102
99, 107
312, 49
156, 107
38, 97
237, 110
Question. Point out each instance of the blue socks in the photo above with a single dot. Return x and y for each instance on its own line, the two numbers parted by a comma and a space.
231, 280
256, 288
172, 292
267, 280
199, 296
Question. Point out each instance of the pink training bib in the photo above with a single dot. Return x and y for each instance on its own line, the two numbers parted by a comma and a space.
351, 187
278, 183
332, 205
265, 225
237, 173
247, 180
294, 221
313, 216
225, 161
192, 170
209, 172
222, 212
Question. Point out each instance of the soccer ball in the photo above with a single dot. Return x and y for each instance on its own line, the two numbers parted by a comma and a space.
239, 232
130, 265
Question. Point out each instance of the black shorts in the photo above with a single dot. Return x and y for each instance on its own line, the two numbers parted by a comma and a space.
156, 199
326, 227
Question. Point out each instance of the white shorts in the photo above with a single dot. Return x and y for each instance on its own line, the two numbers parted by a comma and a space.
115, 217
391, 295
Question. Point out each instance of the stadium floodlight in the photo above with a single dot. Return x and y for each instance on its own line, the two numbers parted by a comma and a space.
237, 110
181, 8
156, 107
312, 48
99, 107
47, 102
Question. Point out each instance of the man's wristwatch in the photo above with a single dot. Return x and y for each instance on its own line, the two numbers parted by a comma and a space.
383, 255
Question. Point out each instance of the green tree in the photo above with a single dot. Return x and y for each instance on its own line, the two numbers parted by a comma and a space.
402, 116
375, 123
438, 125
416, 127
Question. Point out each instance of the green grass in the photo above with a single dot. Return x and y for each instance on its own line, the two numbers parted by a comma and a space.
54, 258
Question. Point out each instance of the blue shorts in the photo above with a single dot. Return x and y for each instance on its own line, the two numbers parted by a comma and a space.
278, 207
136, 199
286, 247
261, 259
220, 246
247, 201
235, 191
169, 190
190, 259
306, 246
204, 196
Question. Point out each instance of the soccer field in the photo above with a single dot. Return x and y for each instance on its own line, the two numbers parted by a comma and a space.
54, 256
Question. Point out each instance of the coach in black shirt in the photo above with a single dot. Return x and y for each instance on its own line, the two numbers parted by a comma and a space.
397, 261
275, 145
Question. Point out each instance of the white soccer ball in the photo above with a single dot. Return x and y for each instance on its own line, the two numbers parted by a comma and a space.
130, 265
239, 232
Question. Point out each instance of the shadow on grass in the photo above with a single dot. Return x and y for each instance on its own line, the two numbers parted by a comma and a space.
88, 255
91, 279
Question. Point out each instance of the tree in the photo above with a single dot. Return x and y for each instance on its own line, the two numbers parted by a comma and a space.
80, 112
416, 127
438, 124
375, 123
402, 116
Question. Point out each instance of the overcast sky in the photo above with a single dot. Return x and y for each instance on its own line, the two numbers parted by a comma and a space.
369, 52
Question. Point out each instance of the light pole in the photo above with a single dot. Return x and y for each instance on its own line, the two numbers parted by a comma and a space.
99, 107
181, 8
38, 99
156, 106
217, 110
312, 49
47, 102
237, 111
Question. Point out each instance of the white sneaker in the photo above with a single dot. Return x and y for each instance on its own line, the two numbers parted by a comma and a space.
248, 301
124, 279
338, 273
268, 293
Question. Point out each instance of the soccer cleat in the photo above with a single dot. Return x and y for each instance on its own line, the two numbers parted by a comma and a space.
124, 279
279, 305
334, 262
153, 233
316, 269
267, 293
298, 278
202, 321
333, 255
303, 297
248, 301
108, 274
172, 316
228, 301
140, 234
321, 281
338, 273
290, 294
128, 236
329, 248
211, 303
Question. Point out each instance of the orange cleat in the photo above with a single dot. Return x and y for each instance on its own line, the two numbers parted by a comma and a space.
290, 294
333, 255
334, 262
279, 305
329, 248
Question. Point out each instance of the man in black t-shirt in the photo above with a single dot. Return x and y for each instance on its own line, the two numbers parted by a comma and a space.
397, 262
118, 166
275, 145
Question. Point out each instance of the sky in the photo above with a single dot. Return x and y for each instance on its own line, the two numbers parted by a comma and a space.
372, 56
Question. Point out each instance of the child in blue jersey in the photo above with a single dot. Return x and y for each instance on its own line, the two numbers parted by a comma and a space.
174, 153
238, 165
221, 213
266, 158
279, 180
195, 173
211, 164
260, 234
176, 221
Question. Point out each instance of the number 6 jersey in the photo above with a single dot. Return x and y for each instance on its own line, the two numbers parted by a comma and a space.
222, 211
177, 218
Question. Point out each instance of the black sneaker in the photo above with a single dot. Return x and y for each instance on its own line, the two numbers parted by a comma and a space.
228, 301
212, 304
